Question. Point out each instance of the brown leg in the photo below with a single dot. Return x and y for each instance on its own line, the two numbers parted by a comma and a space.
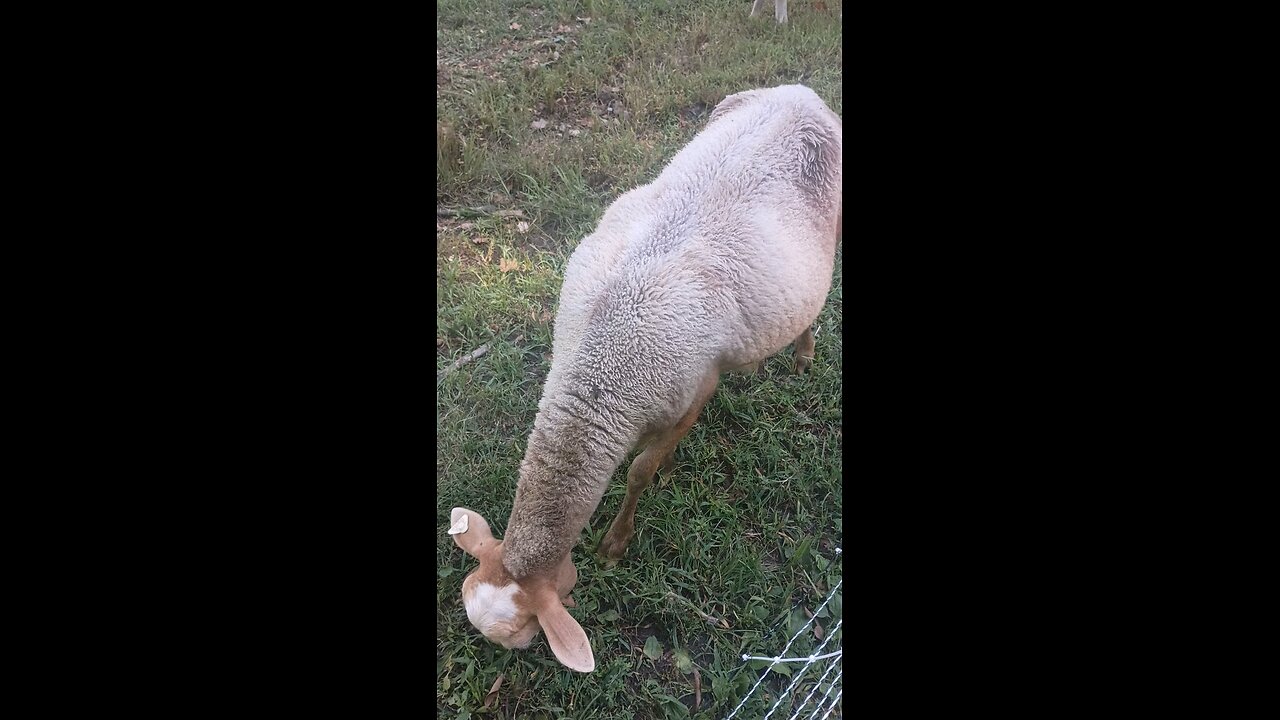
669, 462
659, 451
804, 351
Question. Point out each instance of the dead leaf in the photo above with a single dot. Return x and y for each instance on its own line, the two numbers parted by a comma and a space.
509, 213
479, 240
587, 121
492, 695
697, 689
515, 26
546, 316
586, 20
575, 132
522, 227
818, 632
439, 341
506, 265
466, 226
538, 124
518, 339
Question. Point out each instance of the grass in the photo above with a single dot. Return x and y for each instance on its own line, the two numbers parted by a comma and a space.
745, 527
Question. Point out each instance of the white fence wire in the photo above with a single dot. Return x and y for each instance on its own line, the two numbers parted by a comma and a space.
827, 701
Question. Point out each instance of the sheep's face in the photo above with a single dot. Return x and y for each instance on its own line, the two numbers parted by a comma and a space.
497, 606
510, 612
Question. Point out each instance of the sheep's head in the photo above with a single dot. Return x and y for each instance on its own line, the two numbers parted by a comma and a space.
510, 612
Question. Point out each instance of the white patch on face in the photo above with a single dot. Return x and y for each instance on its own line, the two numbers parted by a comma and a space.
488, 605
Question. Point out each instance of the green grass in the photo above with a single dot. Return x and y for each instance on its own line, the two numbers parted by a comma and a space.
745, 526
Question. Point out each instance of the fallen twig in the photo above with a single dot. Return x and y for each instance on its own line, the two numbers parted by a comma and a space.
466, 211
463, 361
477, 212
709, 618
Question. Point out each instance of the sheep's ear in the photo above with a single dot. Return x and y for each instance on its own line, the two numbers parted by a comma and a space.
567, 638
469, 530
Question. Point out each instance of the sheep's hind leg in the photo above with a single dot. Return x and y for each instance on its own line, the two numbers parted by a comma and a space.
804, 351
660, 451
669, 462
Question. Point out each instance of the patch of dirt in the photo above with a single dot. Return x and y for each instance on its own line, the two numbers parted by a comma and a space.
536, 365
457, 239
696, 113
522, 53
599, 181
529, 45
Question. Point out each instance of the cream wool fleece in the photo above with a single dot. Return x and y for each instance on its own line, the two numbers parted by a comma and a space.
720, 262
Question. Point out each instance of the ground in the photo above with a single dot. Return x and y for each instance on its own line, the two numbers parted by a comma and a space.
547, 111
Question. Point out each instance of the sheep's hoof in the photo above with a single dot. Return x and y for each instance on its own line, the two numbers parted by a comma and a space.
802, 364
613, 547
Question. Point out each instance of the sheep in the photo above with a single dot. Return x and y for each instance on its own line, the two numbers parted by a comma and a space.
779, 10
716, 265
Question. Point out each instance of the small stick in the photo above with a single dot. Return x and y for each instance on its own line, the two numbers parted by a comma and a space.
459, 212
713, 620
463, 361
477, 211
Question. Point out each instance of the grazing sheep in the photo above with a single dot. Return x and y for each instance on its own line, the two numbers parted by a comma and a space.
779, 10
719, 263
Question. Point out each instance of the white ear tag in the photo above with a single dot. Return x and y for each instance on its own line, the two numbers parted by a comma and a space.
460, 526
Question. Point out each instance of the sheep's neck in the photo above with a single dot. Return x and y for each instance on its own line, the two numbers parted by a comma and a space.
565, 472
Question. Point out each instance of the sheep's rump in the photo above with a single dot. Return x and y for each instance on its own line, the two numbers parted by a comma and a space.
721, 261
